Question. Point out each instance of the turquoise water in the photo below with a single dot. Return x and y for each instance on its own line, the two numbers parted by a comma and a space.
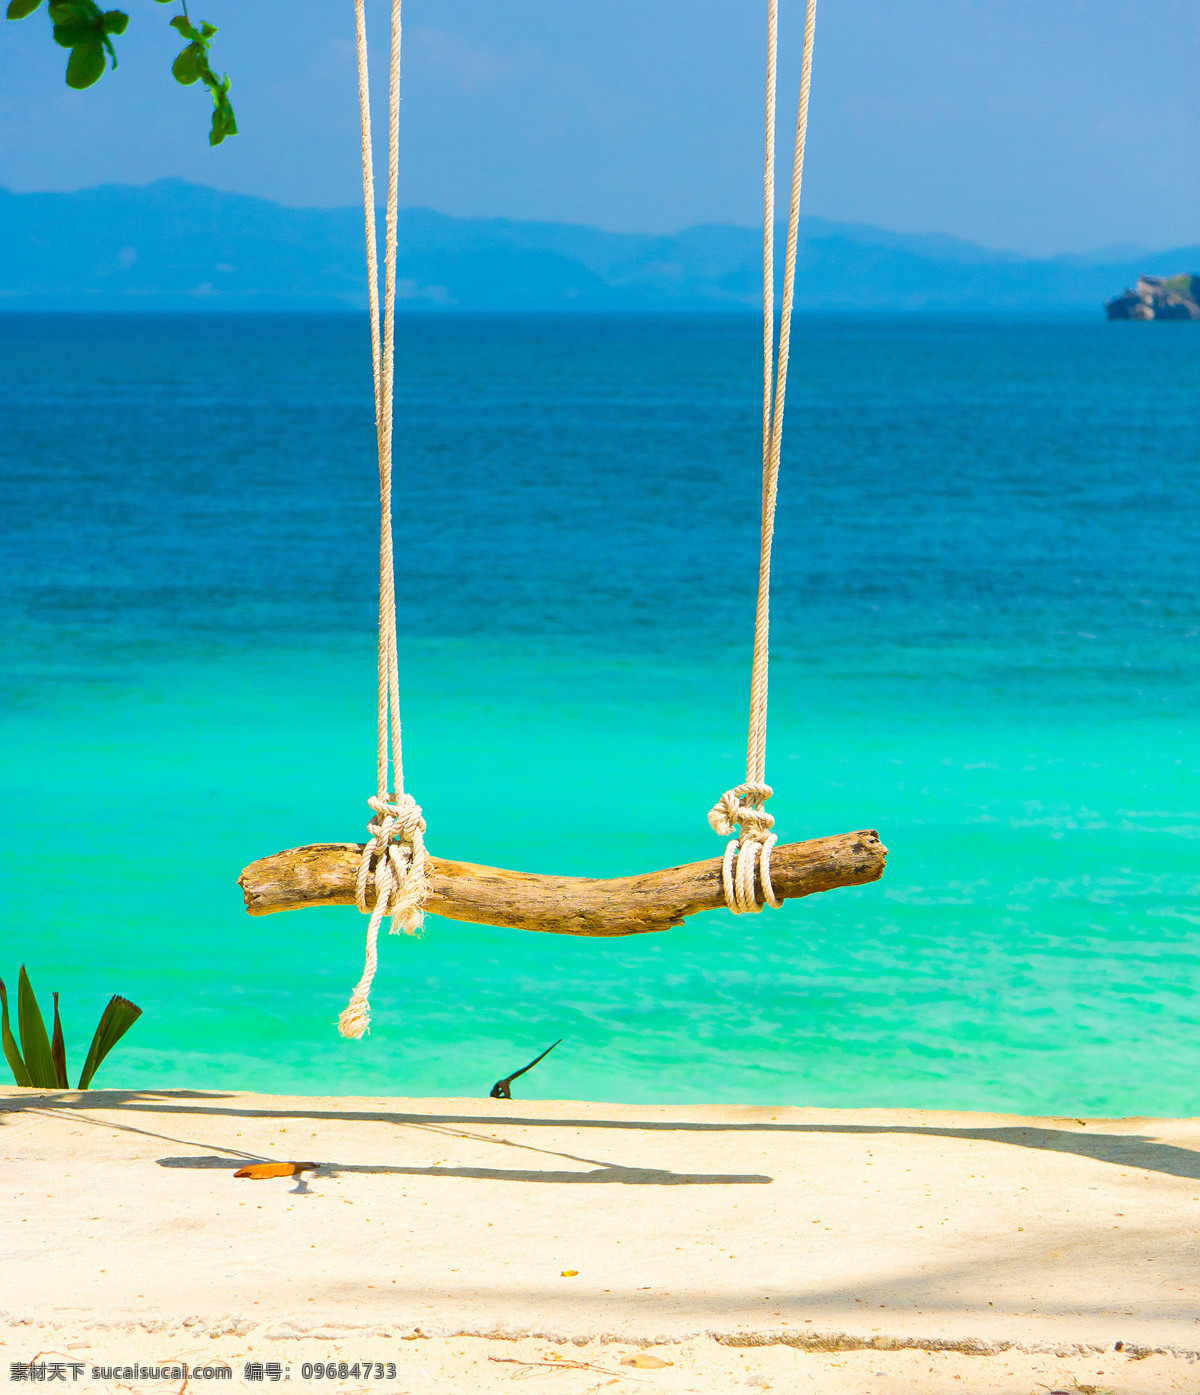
985, 647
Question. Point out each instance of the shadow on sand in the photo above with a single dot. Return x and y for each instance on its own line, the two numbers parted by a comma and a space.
1118, 1149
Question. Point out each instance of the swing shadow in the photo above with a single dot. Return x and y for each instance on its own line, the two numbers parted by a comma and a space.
622, 1176
233, 1159
1136, 1150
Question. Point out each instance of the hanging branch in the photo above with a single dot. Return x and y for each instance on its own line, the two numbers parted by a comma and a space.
85, 29
192, 65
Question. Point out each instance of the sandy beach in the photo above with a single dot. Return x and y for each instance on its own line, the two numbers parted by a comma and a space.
472, 1242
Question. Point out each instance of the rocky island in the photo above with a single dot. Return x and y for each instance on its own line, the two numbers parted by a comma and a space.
1157, 298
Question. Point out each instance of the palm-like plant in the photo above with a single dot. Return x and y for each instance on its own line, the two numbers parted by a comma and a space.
41, 1058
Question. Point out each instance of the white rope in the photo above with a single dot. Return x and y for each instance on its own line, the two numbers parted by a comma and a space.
748, 856
751, 850
394, 863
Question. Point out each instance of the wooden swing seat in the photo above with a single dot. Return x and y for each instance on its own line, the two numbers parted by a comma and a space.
322, 874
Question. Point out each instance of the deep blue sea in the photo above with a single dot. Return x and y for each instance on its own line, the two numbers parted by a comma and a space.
986, 631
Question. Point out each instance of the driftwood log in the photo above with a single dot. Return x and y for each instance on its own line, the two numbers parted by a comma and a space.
322, 874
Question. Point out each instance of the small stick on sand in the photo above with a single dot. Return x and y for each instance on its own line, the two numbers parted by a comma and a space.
564, 1366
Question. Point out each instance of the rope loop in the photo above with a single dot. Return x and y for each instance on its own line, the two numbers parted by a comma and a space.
746, 867
395, 866
396, 862
730, 810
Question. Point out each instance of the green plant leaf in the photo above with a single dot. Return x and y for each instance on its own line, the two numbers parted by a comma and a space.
223, 122
86, 65
75, 12
115, 1021
11, 1051
71, 33
186, 68
58, 1050
115, 21
19, 9
184, 25
35, 1044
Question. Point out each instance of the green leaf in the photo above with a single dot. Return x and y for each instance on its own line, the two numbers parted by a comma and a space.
19, 9
115, 1021
86, 65
223, 122
83, 12
183, 24
115, 21
208, 30
35, 1044
72, 33
58, 1050
11, 1050
186, 67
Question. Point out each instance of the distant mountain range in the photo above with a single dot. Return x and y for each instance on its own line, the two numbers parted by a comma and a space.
178, 246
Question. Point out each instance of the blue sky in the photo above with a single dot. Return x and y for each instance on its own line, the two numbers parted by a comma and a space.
1037, 125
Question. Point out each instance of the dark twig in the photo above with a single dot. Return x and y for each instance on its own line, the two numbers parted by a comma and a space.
564, 1365
502, 1090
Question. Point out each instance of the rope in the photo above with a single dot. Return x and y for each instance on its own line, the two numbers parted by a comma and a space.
394, 863
742, 807
748, 852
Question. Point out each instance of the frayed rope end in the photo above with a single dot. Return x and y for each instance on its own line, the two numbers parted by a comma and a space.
414, 924
355, 1021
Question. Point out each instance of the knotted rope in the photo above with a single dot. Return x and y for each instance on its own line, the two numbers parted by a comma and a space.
750, 852
742, 807
394, 863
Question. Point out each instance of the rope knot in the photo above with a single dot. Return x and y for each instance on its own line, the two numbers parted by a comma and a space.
395, 865
730, 811
747, 860
394, 818
394, 860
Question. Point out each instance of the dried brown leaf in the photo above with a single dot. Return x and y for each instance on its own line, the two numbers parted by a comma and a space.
256, 1171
